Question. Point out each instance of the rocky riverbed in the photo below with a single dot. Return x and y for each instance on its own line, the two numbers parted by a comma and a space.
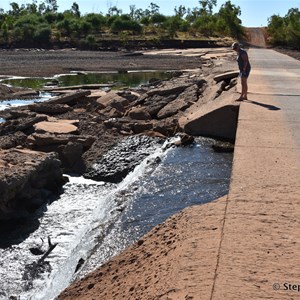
80, 126
80, 131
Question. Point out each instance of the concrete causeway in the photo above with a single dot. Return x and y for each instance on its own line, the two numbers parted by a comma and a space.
260, 242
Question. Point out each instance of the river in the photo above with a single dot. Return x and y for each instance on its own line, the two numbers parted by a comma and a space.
92, 221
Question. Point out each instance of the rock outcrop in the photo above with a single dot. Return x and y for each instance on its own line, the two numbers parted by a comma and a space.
7, 92
122, 159
27, 179
88, 124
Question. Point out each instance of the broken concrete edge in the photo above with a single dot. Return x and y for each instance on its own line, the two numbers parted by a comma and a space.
220, 123
215, 119
226, 76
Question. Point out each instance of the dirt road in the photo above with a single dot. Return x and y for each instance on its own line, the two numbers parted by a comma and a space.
257, 36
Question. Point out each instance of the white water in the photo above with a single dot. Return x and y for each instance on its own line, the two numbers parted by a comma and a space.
74, 221
93, 220
4, 104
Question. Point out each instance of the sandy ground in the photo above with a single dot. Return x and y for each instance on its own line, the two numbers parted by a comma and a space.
49, 62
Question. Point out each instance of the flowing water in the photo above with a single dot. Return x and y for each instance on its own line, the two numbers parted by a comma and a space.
91, 221
5, 104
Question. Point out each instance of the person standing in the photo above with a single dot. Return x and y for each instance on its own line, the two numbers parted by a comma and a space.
244, 67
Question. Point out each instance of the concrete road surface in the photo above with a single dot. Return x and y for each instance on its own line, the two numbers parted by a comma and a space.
260, 245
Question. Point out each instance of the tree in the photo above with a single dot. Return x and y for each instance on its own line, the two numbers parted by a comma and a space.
42, 34
154, 9
136, 14
206, 25
114, 11
172, 24
16, 10
276, 30
293, 28
75, 10
51, 5
158, 18
207, 6
229, 13
32, 8
5, 34
285, 31
181, 11
97, 21
124, 23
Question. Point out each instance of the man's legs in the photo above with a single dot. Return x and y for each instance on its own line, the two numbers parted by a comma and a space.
244, 87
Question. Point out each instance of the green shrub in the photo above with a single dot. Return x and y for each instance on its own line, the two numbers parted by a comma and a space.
42, 35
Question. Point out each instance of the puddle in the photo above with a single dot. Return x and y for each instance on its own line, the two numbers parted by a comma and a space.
130, 79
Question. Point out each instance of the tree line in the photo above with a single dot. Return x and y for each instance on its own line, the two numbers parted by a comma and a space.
285, 31
43, 23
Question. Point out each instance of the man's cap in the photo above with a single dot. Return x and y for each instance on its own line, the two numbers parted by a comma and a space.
235, 45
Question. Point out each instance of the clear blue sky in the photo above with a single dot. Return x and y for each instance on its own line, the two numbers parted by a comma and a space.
254, 12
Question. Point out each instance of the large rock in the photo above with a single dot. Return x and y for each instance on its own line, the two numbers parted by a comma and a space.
139, 113
59, 127
109, 97
12, 140
96, 94
122, 159
7, 92
36, 140
69, 148
168, 90
27, 178
49, 109
22, 124
69, 98
71, 154
182, 102
155, 103
217, 119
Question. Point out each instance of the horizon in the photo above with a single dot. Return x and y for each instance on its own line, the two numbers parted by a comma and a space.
254, 13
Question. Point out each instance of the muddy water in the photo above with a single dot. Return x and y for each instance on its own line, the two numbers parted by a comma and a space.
91, 221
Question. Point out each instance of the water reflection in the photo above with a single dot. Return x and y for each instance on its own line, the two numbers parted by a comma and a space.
131, 79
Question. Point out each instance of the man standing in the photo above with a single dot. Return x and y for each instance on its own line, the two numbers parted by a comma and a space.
245, 68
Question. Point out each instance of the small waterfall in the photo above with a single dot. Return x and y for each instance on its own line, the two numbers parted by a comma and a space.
91, 221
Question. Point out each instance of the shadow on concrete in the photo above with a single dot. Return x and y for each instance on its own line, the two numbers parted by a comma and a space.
268, 106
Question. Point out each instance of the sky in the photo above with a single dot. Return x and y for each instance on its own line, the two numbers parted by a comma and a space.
255, 13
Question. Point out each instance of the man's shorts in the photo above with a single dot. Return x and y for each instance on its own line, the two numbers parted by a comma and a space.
245, 74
